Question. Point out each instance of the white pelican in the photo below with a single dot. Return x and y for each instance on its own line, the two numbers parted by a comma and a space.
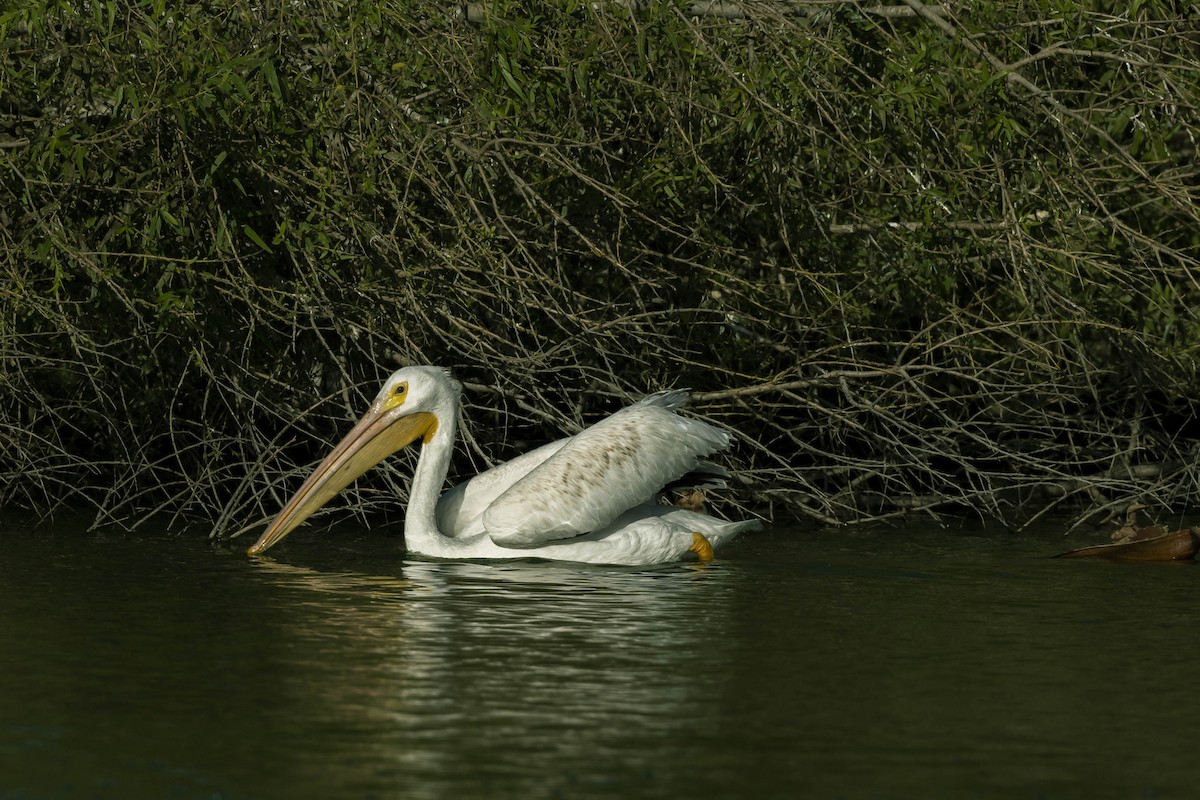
589, 497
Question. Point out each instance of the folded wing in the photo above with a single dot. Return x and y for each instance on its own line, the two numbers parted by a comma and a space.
616, 464
460, 510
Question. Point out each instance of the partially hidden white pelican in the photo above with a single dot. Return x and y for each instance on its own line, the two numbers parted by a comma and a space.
590, 497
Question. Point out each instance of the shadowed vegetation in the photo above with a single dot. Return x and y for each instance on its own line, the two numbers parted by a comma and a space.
921, 258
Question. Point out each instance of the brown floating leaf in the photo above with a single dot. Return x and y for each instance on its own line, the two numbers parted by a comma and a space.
1177, 546
1132, 535
691, 499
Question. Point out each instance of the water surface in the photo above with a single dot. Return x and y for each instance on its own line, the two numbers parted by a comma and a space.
802, 663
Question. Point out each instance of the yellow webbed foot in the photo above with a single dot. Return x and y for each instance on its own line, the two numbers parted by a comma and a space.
701, 547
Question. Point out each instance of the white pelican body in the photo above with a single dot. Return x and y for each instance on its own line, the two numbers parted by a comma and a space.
589, 498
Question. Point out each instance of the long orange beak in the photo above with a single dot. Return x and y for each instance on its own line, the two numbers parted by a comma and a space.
377, 435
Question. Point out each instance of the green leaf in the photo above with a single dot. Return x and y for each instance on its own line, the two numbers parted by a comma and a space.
506, 73
254, 237
272, 80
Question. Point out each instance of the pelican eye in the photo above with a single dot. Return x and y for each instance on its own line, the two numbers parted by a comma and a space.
396, 396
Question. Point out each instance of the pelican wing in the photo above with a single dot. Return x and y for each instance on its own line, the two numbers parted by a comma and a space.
616, 464
460, 509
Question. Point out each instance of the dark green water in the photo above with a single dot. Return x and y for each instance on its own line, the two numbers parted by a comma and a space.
864, 664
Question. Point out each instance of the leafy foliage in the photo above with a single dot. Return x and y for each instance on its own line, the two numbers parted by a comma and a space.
918, 260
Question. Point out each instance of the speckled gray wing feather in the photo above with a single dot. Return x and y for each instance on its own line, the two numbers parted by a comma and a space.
614, 465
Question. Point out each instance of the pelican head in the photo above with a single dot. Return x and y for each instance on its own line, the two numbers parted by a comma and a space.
407, 408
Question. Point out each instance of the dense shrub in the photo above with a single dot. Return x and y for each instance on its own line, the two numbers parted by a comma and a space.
920, 259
